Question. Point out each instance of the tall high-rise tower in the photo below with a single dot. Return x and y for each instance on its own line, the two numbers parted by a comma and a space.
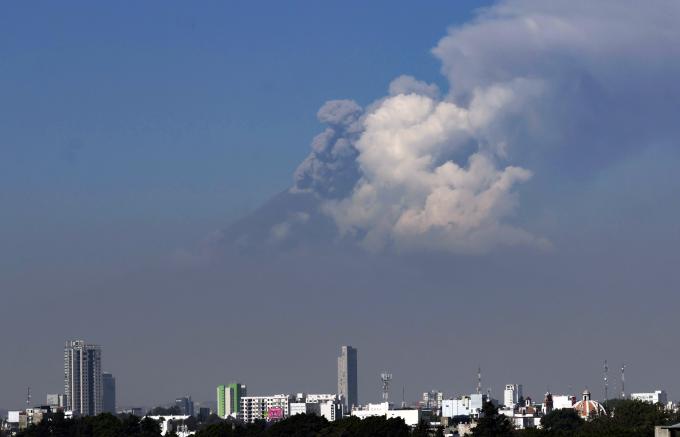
83, 378
108, 393
347, 376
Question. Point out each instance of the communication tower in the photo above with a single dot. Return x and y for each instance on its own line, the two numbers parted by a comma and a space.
385, 378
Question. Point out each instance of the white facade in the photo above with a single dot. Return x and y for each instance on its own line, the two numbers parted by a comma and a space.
322, 397
464, 406
512, 395
257, 407
476, 403
304, 408
658, 396
519, 420
13, 416
327, 405
332, 410
456, 407
411, 417
561, 402
164, 422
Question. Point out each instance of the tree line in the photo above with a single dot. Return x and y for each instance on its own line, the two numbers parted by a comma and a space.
625, 418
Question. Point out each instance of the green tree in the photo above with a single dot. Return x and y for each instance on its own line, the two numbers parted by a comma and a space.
130, 424
492, 424
562, 420
421, 430
149, 428
219, 429
299, 425
107, 425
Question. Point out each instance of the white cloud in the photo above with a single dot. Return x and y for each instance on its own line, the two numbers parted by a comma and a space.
405, 84
574, 83
409, 196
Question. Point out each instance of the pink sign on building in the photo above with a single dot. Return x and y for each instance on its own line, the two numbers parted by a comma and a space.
275, 413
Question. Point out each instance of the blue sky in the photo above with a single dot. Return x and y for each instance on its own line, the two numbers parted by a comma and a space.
176, 119
131, 132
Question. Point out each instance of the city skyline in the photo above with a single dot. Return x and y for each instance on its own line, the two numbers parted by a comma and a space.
231, 192
78, 354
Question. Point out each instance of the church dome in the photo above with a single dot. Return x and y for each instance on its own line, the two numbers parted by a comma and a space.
588, 408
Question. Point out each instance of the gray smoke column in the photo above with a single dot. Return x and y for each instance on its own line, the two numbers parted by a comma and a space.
331, 169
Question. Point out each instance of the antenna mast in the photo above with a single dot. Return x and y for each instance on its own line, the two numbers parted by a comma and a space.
28, 398
623, 381
606, 384
479, 379
385, 378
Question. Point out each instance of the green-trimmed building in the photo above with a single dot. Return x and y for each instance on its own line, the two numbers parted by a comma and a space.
229, 398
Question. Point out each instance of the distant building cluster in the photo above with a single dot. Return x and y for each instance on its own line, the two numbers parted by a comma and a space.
90, 391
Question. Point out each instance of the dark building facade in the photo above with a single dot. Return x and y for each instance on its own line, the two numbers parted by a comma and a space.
109, 393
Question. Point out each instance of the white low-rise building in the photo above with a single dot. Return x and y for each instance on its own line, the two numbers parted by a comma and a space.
656, 397
524, 416
455, 407
563, 401
410, 416
166, 427
332, 410
464, 406
304, 408
327, 405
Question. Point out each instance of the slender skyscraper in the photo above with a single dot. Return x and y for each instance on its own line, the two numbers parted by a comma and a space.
347, 376
83, 378
109, 393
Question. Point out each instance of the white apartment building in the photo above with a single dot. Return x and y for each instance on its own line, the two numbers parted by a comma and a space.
512, 395
658, 396
264, 407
